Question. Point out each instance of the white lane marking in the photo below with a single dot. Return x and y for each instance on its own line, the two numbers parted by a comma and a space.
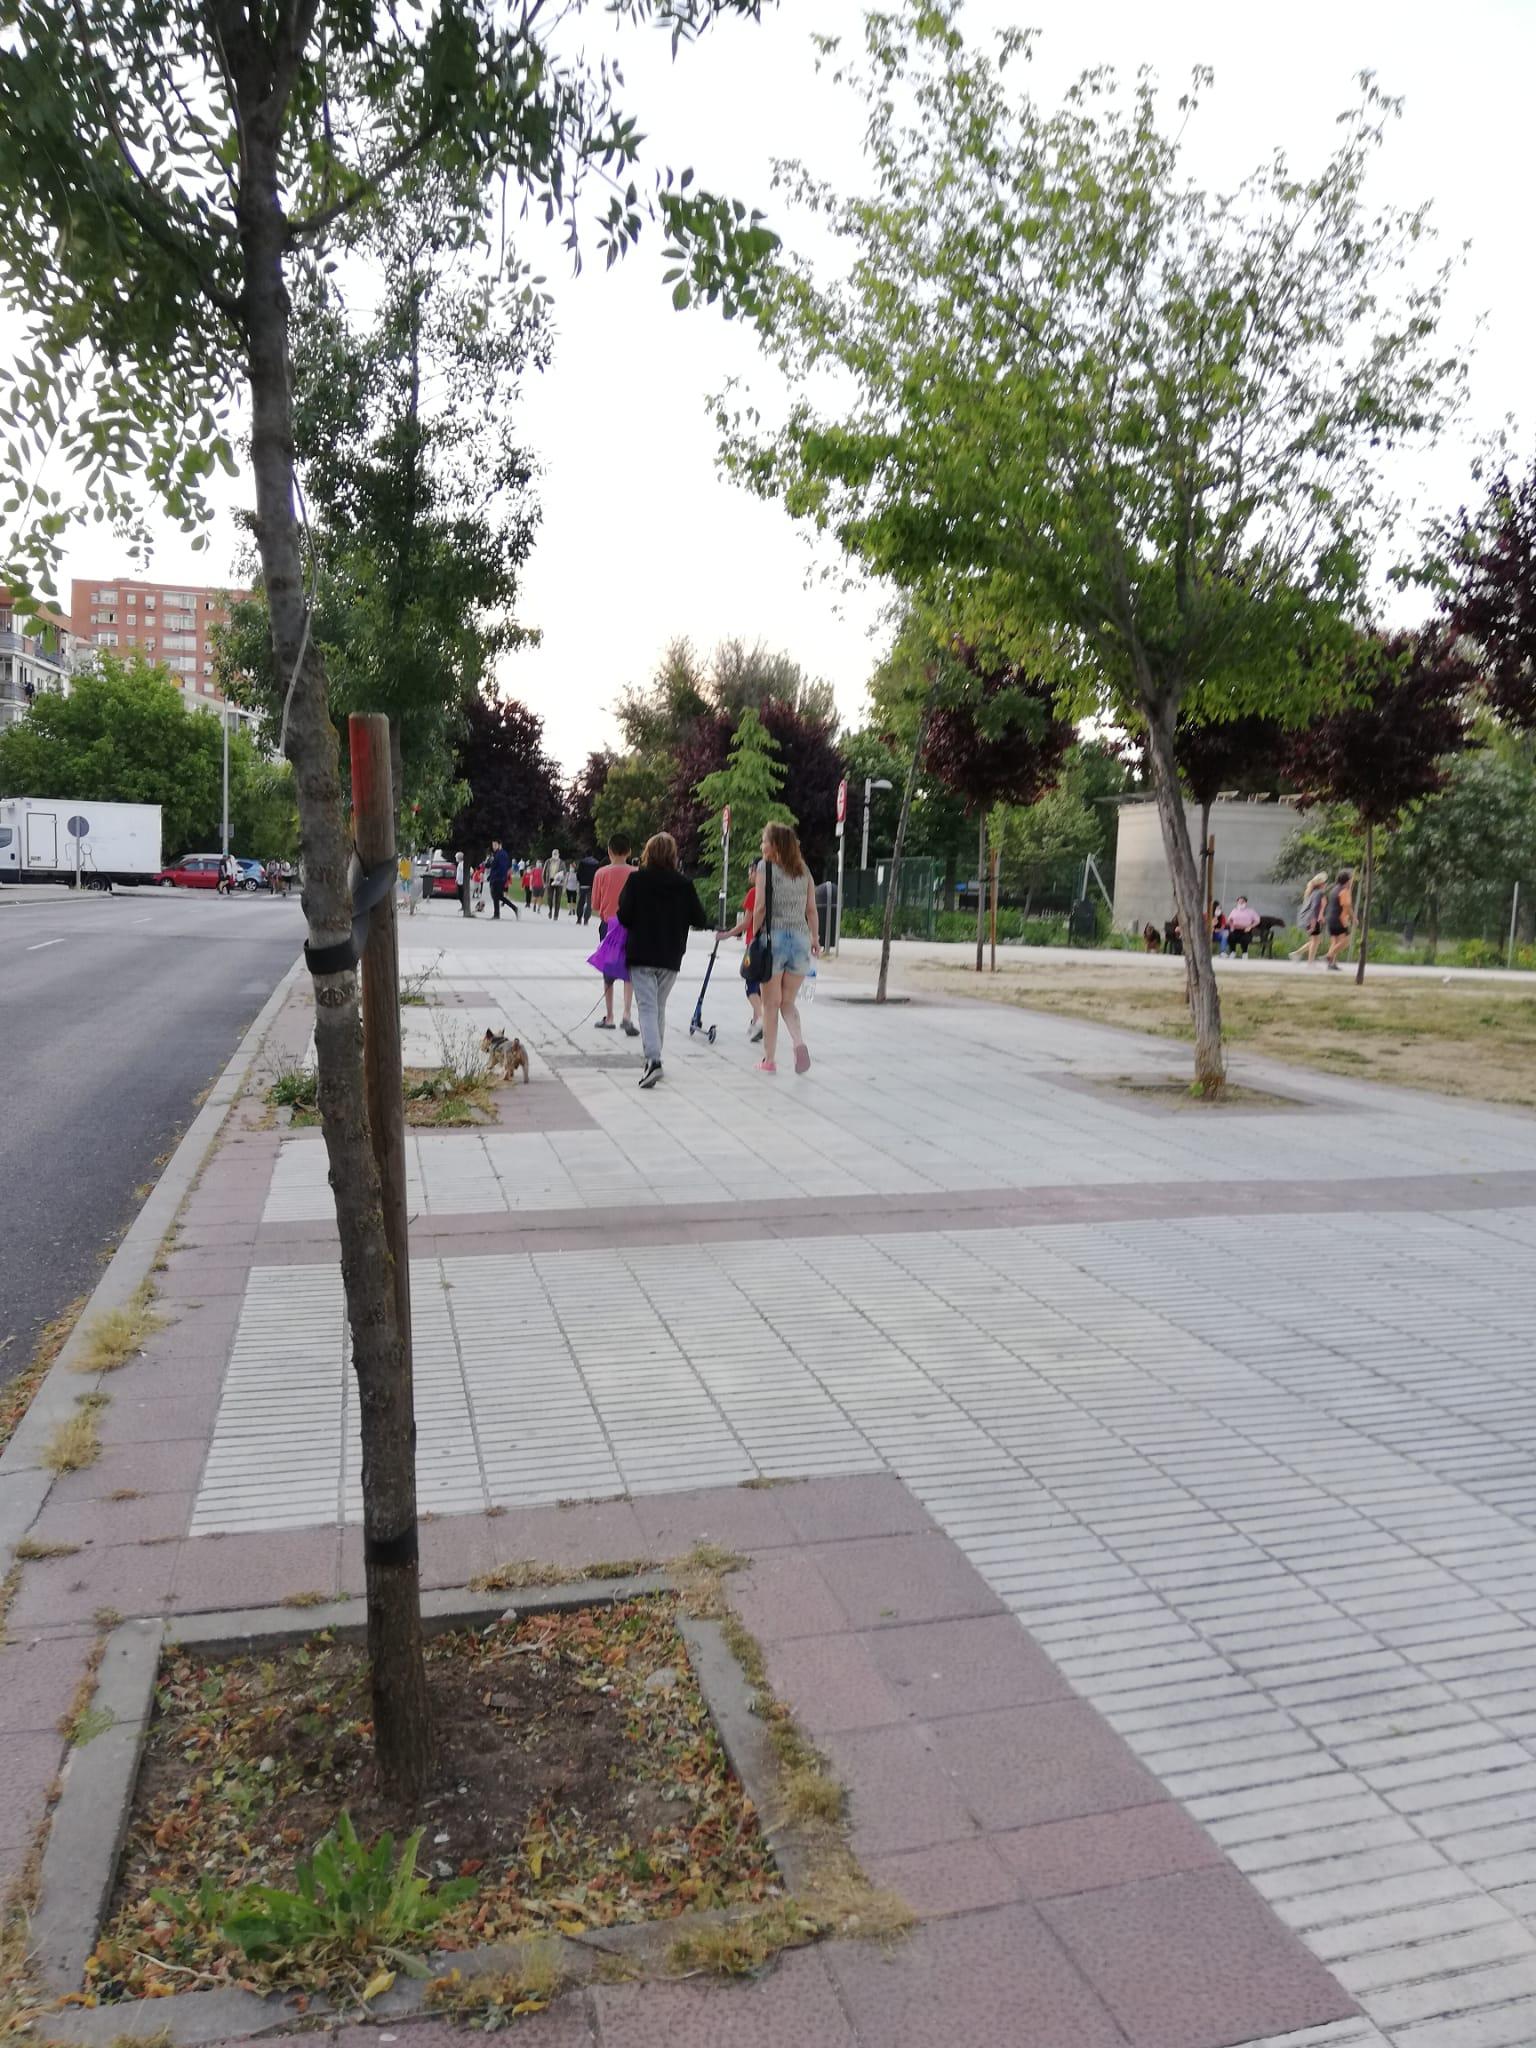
44, 942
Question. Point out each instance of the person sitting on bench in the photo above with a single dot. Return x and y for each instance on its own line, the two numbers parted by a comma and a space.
1242, 923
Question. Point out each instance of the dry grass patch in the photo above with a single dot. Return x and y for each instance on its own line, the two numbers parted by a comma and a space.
32, 1549
494, 1998
75, 1444
119, 1334
1465, 1038
16, 1394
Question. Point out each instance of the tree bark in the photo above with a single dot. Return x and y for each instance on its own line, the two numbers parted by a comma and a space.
1363, 921
981, 888
398, 1674
899, 849
1204, 996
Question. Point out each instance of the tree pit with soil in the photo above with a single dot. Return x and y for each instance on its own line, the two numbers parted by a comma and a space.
578, 1783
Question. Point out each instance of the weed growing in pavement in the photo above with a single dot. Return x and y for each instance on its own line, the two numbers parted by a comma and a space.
87, 1726
75, 1444
119, 1334
413, 986
313, 1598
520, 1574
295, 1088
739, 1948
32, 1549
16, 1394
810, 1795
458, 1089
497, 1997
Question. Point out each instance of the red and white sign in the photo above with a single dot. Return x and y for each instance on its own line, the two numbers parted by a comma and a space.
842, 800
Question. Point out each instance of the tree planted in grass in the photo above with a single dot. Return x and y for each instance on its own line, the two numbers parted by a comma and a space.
1097, 406
1391, 744
170, 169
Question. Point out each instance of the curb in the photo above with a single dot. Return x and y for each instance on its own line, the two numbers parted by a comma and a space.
24, 1481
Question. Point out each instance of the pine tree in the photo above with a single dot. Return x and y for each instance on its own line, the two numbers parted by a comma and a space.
749, 783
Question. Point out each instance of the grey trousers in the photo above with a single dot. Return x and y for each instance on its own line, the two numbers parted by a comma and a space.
652, 986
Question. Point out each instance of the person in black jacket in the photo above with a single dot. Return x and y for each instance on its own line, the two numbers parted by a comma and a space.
658, 908
586, 875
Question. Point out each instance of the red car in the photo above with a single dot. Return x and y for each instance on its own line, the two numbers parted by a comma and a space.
201, 871
440, 880
192, 871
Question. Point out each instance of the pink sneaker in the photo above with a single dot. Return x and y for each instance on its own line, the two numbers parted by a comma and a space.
766, 1067
802, 1059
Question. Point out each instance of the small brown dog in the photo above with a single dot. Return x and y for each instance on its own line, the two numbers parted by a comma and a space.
506, 1053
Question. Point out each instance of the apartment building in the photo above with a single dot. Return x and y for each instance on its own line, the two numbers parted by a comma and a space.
35, 654
171, 623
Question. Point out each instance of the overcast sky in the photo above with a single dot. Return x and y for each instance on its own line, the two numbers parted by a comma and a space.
640, 538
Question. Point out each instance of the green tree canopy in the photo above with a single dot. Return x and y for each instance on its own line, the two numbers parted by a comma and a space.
1125, 425
750, 783
633, 801
124, 735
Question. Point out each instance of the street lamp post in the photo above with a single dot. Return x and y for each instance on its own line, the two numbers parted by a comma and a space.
870, 783
224, 724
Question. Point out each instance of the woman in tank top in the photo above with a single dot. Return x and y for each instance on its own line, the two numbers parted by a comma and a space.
786, 908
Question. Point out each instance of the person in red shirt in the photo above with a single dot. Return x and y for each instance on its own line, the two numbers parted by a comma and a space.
536, 884
607, 888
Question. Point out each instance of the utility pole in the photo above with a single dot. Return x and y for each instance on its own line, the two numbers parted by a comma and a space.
224, 726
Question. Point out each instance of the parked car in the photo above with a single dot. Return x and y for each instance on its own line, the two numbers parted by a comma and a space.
255, 873
201, 871
192, 871
440, 879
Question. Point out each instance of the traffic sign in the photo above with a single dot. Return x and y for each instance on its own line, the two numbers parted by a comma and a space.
842, 800
77, 827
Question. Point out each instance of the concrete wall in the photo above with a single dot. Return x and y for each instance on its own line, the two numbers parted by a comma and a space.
1248, 840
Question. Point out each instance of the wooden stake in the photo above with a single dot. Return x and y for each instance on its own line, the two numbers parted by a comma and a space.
997, 855
373, 820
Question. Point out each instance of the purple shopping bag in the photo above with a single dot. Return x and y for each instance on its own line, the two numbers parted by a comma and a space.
612, 956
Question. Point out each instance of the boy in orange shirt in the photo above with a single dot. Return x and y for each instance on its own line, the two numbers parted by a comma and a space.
607, 888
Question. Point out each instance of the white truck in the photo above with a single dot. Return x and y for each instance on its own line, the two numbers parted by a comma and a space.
56, 839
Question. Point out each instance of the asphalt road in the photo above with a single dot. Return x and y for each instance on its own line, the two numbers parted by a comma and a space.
115, 1014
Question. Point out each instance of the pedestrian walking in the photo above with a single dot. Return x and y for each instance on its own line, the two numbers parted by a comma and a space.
229, 875
1341, 916
658, 907
784, 914
536, 884
1313, 915
526, 871
743, 929
607, 888
587, 870
572, 888
500, 869
554, 882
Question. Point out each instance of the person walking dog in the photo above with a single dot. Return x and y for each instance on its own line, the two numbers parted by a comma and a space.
658, 907
785, 915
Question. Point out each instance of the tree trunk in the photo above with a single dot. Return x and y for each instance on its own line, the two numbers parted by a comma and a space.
1204, 997
1363, 921
981, 889
1207, 865
899, 849
401, 1730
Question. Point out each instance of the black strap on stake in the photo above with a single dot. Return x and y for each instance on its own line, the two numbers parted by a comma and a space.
389, 1551
369, 888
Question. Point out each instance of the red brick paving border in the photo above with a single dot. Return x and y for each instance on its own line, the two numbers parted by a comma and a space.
1066, 1900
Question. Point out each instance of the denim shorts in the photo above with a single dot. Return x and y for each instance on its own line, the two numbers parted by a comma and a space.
791, 952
